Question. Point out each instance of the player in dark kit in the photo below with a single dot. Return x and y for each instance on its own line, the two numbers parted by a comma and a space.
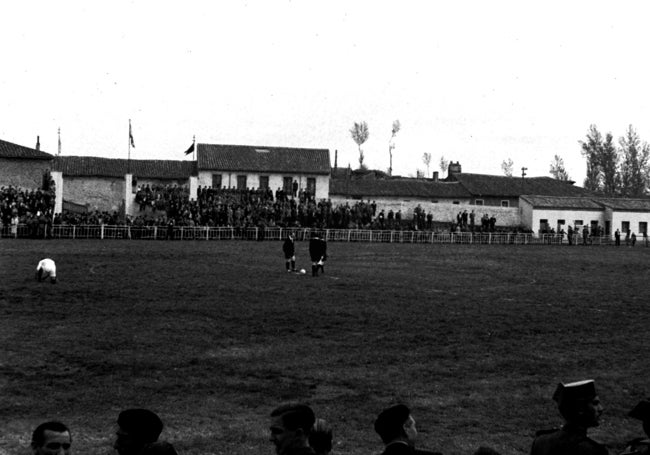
289, 250
317, 253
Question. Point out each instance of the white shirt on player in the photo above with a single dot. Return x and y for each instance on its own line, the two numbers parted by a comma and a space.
48, 267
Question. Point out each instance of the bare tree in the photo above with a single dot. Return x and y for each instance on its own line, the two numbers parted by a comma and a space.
507, 166
557, 170
391, 144
360, 135
426, 159
444, 164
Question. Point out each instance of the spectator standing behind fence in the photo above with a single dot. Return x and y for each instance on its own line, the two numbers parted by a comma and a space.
617, 238
633, 239
51, 438
580, 407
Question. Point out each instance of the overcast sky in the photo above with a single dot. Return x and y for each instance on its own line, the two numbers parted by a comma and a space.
474, 81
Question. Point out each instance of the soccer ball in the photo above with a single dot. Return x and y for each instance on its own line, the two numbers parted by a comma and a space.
303, 271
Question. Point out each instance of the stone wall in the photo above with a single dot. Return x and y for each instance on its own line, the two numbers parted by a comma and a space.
27, 174
103, 194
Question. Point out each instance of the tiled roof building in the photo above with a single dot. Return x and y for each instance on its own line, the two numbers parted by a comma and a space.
90, 166
248, 158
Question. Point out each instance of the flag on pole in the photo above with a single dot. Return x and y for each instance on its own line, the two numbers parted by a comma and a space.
190, 150
131, 135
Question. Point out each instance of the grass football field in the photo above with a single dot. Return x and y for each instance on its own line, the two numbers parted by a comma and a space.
214, 335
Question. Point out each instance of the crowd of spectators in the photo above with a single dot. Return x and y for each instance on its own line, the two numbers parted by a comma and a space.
31, 207
171, 205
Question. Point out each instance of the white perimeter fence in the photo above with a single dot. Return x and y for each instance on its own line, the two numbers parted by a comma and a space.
277, 233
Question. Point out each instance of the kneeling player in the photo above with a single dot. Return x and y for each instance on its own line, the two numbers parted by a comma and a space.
46, 268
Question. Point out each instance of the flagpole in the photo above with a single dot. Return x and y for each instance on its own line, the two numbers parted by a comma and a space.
194, 148
128, 160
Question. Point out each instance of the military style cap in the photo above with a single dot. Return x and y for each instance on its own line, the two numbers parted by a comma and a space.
641, 411
142, 424
572, 391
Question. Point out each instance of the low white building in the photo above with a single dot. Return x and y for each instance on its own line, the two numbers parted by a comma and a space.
540, 213
247, 166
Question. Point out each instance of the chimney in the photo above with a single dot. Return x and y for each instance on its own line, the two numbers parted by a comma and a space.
38, 143
435, 176
454, 168
336, 155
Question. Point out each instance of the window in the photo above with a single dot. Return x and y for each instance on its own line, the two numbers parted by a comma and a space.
505, 203
543, 225
435, 201
577, 223
625, 226
456, 202
311, 186
264, 181
241, 182
643, 227
478, 202
216, 181
286, 184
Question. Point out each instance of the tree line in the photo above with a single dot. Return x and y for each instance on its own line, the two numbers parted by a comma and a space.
612, 170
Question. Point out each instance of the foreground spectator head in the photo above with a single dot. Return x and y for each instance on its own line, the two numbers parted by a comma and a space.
396, 424
290, 427
642, 412
51, 438
320, 437
578, 403
137, 429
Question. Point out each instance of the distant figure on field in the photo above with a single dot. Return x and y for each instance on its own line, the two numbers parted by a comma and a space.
396, 428
138, 432
581, 409
289, 250
51, 438
320, 437
46, 268
317, 253
290, 427
641, 412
